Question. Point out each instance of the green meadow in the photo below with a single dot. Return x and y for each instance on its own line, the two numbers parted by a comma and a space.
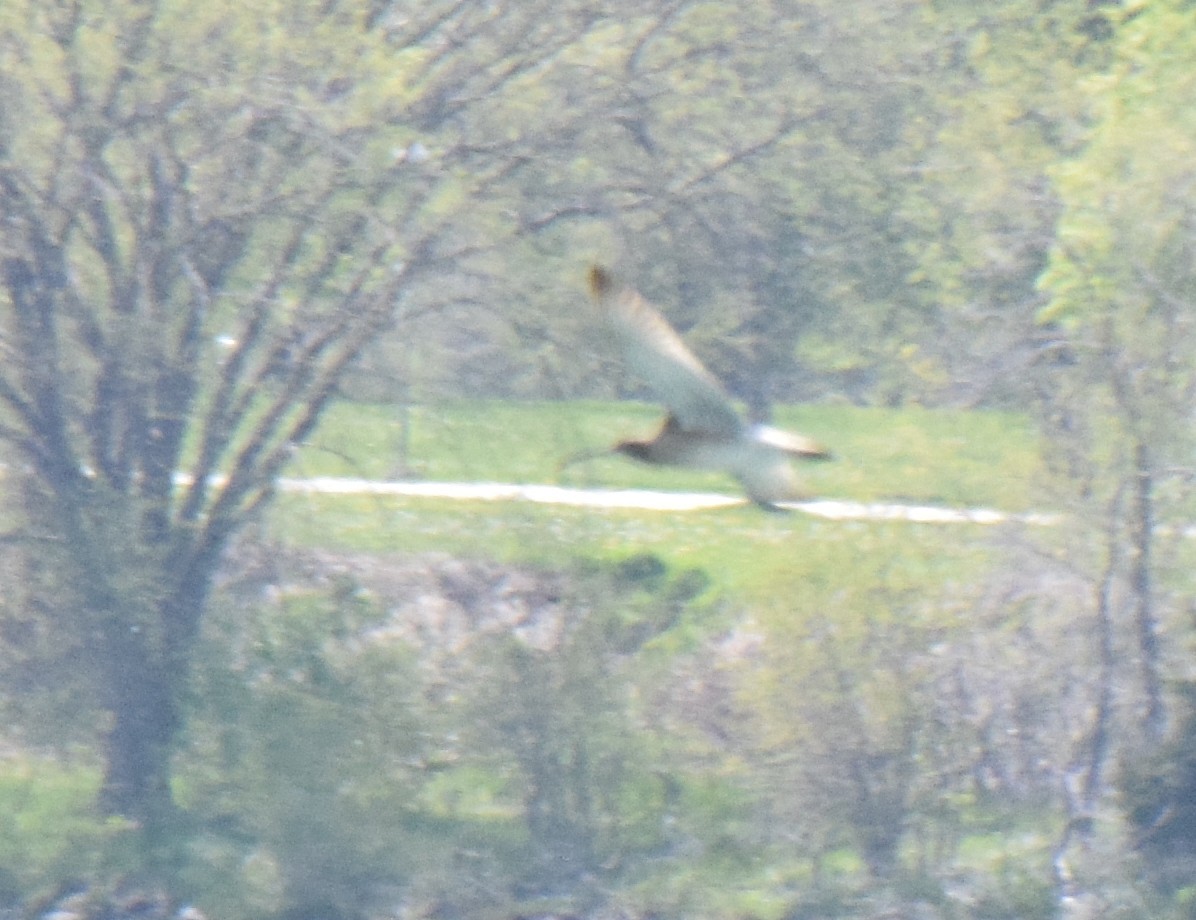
940, 456
937, 457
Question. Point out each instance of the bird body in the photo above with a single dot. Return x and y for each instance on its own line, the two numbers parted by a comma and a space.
703, 429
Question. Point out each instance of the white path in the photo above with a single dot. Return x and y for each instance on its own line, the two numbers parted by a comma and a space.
650, 501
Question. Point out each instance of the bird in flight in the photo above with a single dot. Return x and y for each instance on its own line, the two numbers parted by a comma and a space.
702, 428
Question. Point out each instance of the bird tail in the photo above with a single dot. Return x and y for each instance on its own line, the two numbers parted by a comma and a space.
795, 445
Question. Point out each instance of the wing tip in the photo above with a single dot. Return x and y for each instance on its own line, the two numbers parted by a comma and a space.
601, 281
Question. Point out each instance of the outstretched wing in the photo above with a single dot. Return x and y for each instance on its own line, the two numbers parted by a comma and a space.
693, 396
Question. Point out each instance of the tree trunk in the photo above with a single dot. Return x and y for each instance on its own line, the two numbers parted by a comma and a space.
1083, 785
1141, 582
142, 697
145, 680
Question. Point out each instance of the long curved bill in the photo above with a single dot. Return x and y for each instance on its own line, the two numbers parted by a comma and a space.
582, 457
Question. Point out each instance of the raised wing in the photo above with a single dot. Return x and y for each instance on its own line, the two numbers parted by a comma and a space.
694, 397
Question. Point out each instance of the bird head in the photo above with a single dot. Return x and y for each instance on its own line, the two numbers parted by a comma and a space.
637, 450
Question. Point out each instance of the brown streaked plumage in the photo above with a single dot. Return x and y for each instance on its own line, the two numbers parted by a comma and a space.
702, 429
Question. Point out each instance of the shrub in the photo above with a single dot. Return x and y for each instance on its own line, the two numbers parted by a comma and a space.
302, 752
51, 834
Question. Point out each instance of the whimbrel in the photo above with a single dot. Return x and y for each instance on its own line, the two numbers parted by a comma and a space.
702, 428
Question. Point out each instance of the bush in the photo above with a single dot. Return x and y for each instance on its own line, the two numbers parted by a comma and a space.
51, 834
1159, 793
303, 749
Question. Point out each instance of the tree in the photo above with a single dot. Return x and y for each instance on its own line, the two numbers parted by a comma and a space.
743, 165
978, 214
189, 265
1120, 282
868, 744
1119, 288
556, 715
754, 153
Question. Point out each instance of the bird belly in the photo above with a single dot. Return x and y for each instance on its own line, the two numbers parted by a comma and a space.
700, 454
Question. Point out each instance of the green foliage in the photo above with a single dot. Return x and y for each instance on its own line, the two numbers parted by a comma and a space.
51, 834
1125, 229
553, 714
723, 885
1121, 274
979, 220
1016, 892
854, 741
1159, 789
1119, 288
327, 760
187, 270
300, 755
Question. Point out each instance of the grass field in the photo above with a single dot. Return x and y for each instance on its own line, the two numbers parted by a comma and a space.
936, 457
